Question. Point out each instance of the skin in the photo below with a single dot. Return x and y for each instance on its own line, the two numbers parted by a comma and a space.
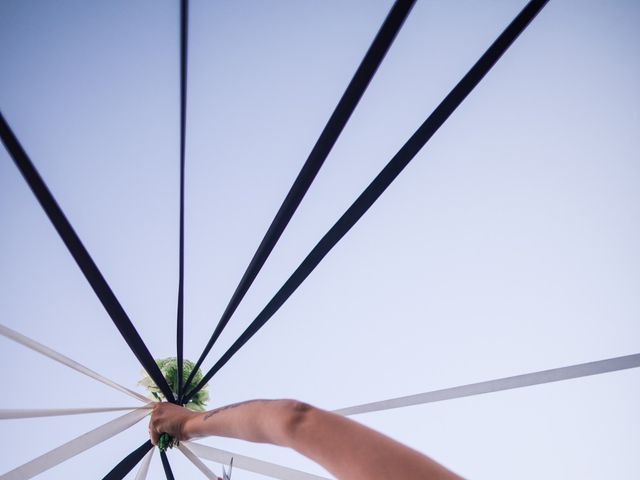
347, 449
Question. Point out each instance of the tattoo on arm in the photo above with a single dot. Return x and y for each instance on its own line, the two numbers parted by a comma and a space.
228, 407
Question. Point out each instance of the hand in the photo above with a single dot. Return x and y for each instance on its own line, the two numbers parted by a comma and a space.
169, 418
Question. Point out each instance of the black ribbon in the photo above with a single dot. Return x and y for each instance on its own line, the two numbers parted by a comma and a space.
126, 465
184, 36
384, 178
347, 104
166, 466
82, 257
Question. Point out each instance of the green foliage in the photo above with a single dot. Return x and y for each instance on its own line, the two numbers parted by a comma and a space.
169, 368
166, 441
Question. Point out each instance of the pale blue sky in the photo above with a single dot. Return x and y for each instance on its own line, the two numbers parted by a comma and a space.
508, 245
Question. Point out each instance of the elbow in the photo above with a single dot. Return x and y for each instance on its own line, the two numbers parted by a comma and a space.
296, 417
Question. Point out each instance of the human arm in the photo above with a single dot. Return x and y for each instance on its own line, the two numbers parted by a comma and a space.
347, 449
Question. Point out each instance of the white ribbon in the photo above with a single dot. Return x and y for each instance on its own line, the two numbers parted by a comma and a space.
197, 462
9, 414
76, 446
506, 383
249, 464
58, 357
144, 467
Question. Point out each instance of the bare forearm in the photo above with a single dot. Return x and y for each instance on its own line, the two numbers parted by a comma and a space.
263, 421
352, 451
347, 449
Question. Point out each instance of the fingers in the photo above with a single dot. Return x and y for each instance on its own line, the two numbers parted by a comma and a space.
154, 423
167, 418
153, 433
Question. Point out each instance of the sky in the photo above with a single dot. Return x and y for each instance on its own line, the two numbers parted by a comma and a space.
508, 245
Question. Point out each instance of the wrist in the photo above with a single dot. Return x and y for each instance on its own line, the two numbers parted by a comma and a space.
190, 427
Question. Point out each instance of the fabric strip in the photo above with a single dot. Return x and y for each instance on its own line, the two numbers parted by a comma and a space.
58, 357
388, 174
144, 467
166, 466
197, 462
184, 36
343, 111
249, 464
500, 384
76, 446
123, 468
81, 256
10, 414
